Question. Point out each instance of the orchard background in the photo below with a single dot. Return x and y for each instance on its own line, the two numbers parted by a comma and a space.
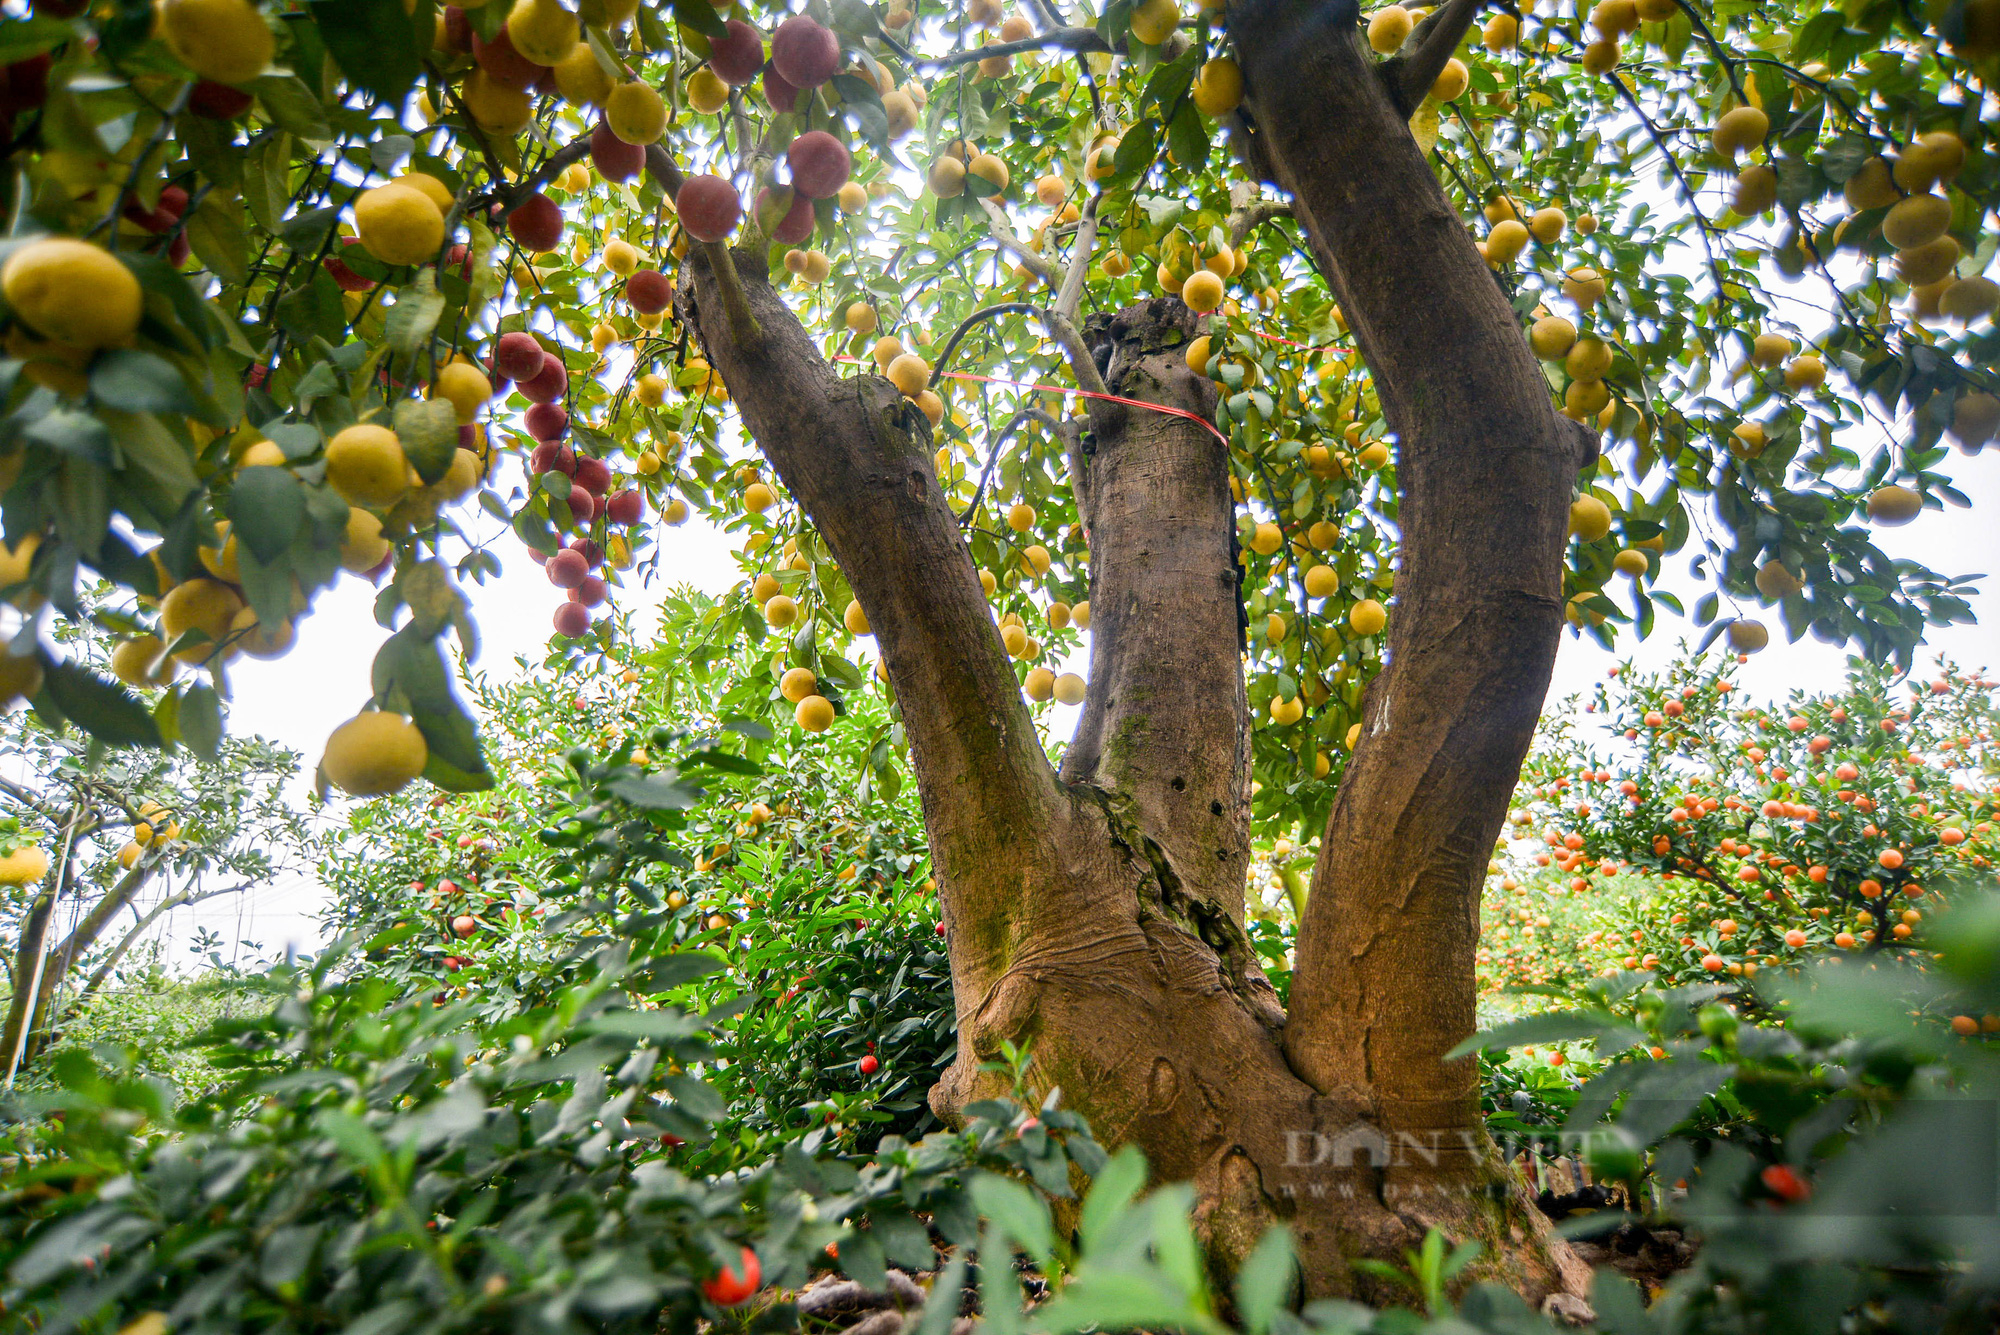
359, 400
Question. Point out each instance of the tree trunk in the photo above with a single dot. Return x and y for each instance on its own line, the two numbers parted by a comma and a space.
1098, 915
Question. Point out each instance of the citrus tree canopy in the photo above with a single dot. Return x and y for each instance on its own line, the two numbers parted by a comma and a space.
1312, 367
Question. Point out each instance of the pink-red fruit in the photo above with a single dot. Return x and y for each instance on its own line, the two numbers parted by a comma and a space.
806, 53
518, 356
709, 207
820, 164
537, 224
649, 291
615, 159
548, 384
572, 619
738, 55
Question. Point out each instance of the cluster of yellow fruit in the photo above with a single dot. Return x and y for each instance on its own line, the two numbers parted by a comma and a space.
155, 828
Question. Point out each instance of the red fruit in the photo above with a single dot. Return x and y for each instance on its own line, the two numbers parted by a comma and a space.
452, 963
457, 30
218, 101
591, 593
465, 924
593, 555
548, 384
598, 505
709, 207
593, 474
731, 1286
1784, 1182
24, 85
868, 1064
549, 457
344, 277
177, 250
1032, 1124
502, 62
462, 258
547, 421
615, 159
626, 507
820, 164
798, 220
572, 619
447, 887
781, 95
472, 436
649, 291
940, 929
518, 356
805, 53
536, 223
737, 55
567, 569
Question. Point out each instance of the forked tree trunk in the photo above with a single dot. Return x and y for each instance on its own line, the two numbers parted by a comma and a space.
1098, 914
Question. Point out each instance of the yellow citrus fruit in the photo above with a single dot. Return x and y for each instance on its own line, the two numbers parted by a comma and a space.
365, 463
814, 714
1747, 636
798, 683
73, 292
1153, 21
1322, 581
757, 498
206, 605
855, 619
24, 866
1070, 689
581, 79
1217, 90
20, 677
1551, 337
1202, 291
430, 187
1893, 505
465, 387
1589, 518
781, 611
133, 661
1388, 28
1040, 684
496, 107
250, 636
621, 257
1451, 82
374, 754
1738, 129
1367, 617
399, 224
1630, 561
363, 547
541, 30
909, 373
223, 40
706, 91
635, 113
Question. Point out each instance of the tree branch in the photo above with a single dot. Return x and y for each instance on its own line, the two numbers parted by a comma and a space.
1253, 215
856, 455
1062, 39
1070, 295
153, 915
1060, 327
993, 453
1409, 76
966, 325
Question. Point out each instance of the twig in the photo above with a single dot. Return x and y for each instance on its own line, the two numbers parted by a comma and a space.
966, 325
994, 452
1673, 164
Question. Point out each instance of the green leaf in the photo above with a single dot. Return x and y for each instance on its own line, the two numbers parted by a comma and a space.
1265, 1281
138, 382
1610, 1033
428, 429
1017, 1212
216, 235
414, 317
102, 708
1110, 1194
267, 508
199, 717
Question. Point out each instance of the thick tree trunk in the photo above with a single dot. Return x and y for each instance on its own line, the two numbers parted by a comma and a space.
1098, 914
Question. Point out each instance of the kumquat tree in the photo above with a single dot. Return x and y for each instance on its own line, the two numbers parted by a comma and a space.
1295, 374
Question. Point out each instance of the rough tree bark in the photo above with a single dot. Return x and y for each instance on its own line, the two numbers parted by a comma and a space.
1098, 913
